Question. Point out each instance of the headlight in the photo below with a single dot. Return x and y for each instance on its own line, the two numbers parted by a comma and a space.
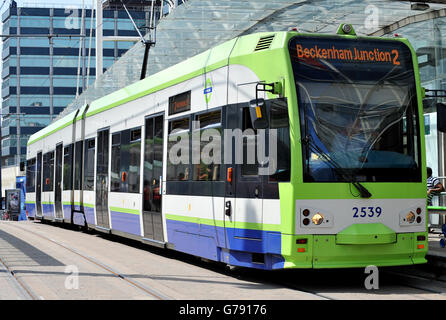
317, 219
410, 217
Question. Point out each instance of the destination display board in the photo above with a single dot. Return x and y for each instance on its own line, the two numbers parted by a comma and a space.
179, 103
372, 52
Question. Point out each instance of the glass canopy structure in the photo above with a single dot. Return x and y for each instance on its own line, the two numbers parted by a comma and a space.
198, 25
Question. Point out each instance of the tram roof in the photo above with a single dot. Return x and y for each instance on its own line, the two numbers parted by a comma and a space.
198, 25
209, 60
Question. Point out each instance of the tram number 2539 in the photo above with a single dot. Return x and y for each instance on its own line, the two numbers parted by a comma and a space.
362, 212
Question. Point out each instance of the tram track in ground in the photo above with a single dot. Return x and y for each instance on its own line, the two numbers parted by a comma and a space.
126, 279
430, 277
418, 282
282, 278
21, 287
340, 284
332, 284
233, 272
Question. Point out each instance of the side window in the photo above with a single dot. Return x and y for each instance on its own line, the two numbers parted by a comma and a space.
177, 146
208, 126
78, 166
116, 163
134, 160
67, 167
48, 171
31, 175
89, 164
279, 121
250, 166
126, 159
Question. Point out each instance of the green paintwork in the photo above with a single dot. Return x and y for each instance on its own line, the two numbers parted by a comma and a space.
88, 205
221, 223
207, 96
125, 210
341, 32
328, 254
366, 233
436, 208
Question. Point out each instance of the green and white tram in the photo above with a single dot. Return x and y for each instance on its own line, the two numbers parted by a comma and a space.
337, 178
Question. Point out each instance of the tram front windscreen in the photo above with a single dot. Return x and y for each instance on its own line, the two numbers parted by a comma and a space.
358, 109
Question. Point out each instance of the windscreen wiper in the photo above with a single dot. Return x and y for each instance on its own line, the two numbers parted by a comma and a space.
363, 192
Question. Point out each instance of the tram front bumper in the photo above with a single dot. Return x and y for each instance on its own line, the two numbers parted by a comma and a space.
324, 251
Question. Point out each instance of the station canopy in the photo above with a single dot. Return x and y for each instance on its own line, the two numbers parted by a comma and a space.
198, 25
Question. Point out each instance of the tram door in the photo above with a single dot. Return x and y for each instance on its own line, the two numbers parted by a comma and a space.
153, 170
102, 179
244, 189
39, 184
58, 183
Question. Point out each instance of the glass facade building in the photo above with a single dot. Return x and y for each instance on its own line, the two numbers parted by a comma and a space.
40, 73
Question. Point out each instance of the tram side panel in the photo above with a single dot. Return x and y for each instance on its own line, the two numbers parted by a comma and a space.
125, 124
255, 239
193, 202
65, 136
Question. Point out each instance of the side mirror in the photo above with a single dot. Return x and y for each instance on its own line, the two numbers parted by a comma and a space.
258, 113
441, 117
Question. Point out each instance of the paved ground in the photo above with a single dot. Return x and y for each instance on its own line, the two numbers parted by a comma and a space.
41, 261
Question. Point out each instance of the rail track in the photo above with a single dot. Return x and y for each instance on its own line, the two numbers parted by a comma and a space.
126, 279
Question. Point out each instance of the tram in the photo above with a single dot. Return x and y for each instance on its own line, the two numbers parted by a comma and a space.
316, 149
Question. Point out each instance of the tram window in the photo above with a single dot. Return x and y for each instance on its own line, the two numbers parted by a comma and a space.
178, 144
116, 139
250, 165
48, 171
280, 121
31, 175
126, 160
89, 165
134, 160
67, 167
116, 163
78, 165
209, 150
